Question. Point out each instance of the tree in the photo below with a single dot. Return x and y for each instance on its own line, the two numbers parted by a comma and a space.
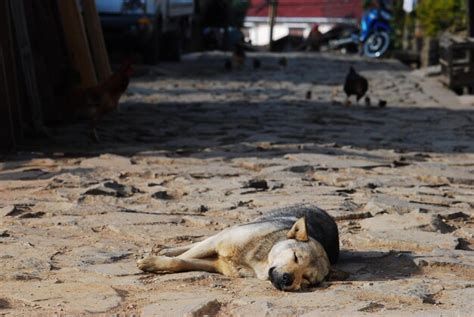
437, 16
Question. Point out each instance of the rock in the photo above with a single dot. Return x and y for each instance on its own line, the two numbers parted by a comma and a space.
251, 166
15, 210
162, 195
112, 188
259, 184
29, 215
456, 216
187, 277
402, 292
183, 306
460, 300
205, 308
74, 297
197, 221
4, 233
28, 174
277, 185
107, 161
410, 240
261, 308
203, 209
4, 304
54, 207
92, 256
115, 269
459, 261
385, 203
385, 231
301, 169
372, 307
8, 211
22, 276
437, 224
411, 220
168, 194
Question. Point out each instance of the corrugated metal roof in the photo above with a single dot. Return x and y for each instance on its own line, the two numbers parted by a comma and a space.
309, 8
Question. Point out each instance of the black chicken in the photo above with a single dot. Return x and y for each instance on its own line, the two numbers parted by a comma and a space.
238, 56
355, 85
256, 63
228, 65
283, 61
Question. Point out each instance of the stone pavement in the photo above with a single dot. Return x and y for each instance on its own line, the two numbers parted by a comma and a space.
173, 166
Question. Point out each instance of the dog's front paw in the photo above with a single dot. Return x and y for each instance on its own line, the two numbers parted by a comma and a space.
154, 264
147, 264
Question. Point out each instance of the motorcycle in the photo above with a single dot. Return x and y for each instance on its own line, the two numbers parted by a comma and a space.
373, 37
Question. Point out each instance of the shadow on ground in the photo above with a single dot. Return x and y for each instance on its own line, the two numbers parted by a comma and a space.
374, 266
232, 128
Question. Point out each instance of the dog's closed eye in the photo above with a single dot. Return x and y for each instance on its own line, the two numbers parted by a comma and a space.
296, 258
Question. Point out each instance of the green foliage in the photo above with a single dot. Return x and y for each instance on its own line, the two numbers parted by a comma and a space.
441, 15
399, 19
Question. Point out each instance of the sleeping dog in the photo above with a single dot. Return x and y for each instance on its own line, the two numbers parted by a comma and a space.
292, 247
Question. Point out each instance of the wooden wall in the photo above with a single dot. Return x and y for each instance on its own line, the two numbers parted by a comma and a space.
10, 123
43, 46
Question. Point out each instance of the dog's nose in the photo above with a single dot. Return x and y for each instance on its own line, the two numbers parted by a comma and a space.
287, 279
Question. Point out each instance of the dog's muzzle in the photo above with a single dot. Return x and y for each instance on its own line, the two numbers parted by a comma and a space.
280, 280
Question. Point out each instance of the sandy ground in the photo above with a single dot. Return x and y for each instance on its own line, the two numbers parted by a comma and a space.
172, 168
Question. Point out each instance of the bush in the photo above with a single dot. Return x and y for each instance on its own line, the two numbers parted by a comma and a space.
437, 16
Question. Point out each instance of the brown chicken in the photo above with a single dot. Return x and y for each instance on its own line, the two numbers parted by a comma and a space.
238, 56
94, 102
356, 85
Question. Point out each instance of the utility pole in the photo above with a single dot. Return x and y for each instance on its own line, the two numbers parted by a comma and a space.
470, 17
272, 13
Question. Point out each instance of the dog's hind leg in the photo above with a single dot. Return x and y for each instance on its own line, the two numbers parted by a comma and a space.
167, 264
175, 251
201, 250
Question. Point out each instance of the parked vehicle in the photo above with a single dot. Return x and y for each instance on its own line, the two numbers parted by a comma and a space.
298, 17
158, 28
374, 34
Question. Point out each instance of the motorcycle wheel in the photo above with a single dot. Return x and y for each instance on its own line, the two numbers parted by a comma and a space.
376, 45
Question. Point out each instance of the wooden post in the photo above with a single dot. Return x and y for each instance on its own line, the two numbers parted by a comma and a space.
27, 64
96, 38
272, 16
76, 41
470, 17
11, 132
7, 133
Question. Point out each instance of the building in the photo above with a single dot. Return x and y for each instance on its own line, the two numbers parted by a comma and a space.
297, 17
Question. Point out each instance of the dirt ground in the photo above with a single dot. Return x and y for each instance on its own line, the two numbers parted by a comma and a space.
172, 168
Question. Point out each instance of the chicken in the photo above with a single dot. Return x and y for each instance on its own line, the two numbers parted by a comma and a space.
382, 103
256, 63
368, 102
238, 56
228, 65
94, 102
355, 85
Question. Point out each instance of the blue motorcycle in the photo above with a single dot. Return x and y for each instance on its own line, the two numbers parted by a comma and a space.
375, 32
373, 37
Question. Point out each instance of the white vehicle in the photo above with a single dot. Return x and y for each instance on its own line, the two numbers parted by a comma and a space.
157, 28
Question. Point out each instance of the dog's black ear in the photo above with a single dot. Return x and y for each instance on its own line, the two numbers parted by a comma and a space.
299, 231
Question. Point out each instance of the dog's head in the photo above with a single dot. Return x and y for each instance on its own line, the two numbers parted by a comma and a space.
298, 261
